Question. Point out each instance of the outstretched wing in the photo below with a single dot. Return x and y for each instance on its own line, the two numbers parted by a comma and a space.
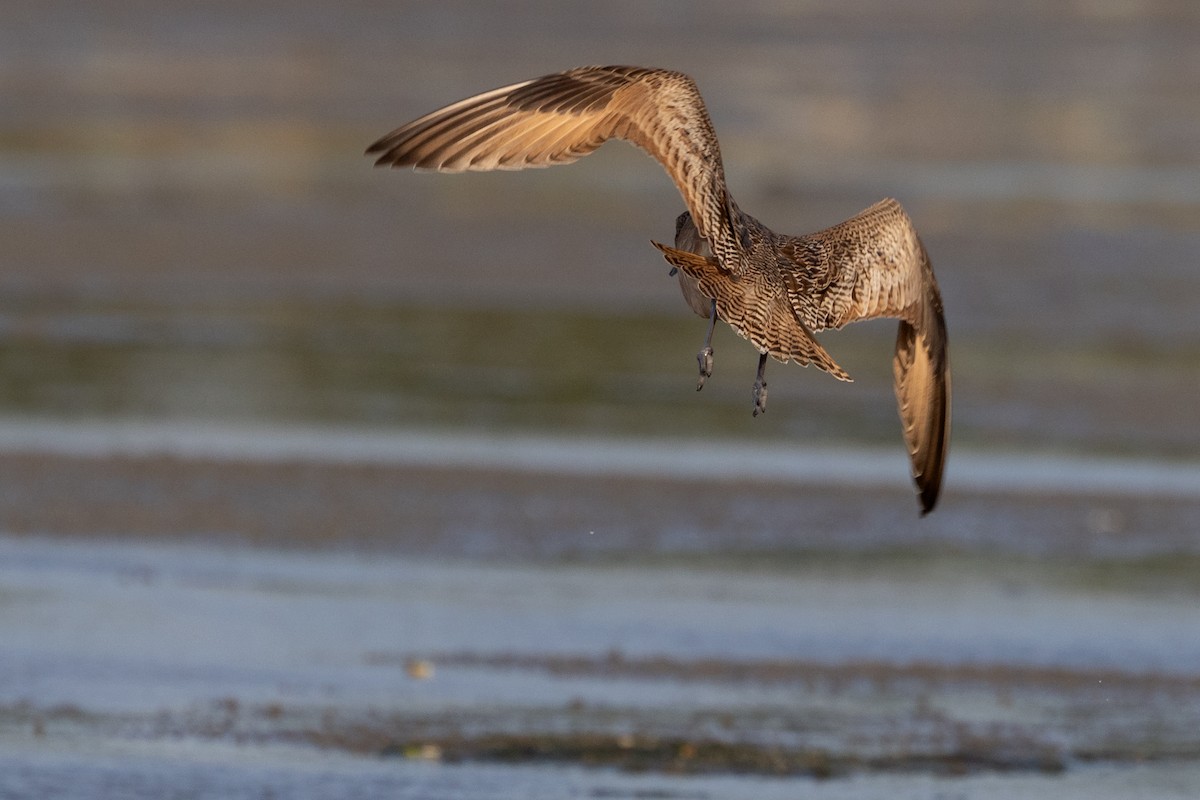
556, 119
874, 265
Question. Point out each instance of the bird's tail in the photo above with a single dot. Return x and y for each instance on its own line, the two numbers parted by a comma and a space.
770, 326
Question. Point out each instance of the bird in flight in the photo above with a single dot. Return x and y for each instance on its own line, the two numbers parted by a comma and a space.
773, 289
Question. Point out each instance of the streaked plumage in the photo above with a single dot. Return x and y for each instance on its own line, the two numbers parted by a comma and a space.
775, 290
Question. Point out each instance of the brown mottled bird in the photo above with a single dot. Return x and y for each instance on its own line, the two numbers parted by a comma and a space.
773, 289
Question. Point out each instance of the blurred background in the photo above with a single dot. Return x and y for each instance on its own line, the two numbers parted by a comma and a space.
222, 329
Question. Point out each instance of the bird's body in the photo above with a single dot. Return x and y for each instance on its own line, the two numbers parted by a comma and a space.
775, 290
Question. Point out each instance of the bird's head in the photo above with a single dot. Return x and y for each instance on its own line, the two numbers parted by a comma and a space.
688, 238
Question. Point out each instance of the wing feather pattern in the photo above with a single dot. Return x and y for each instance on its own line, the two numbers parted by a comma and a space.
874, 265
557, 119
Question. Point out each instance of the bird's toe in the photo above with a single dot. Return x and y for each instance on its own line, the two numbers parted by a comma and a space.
760, 398
705, 359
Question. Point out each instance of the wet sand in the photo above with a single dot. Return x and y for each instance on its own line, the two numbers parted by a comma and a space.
519, 497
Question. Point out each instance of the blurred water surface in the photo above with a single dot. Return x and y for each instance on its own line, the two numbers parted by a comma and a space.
184, 204
193, 240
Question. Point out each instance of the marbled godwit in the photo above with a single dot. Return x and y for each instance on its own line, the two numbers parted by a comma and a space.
774, 290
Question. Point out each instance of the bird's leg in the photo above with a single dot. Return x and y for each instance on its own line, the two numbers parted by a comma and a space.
760, 387
705, 356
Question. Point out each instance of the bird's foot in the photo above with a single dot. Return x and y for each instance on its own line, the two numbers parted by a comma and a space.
705, 359
760, 397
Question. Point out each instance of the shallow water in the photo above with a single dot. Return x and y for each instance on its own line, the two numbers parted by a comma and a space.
141, 665
676, 459
214, 771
